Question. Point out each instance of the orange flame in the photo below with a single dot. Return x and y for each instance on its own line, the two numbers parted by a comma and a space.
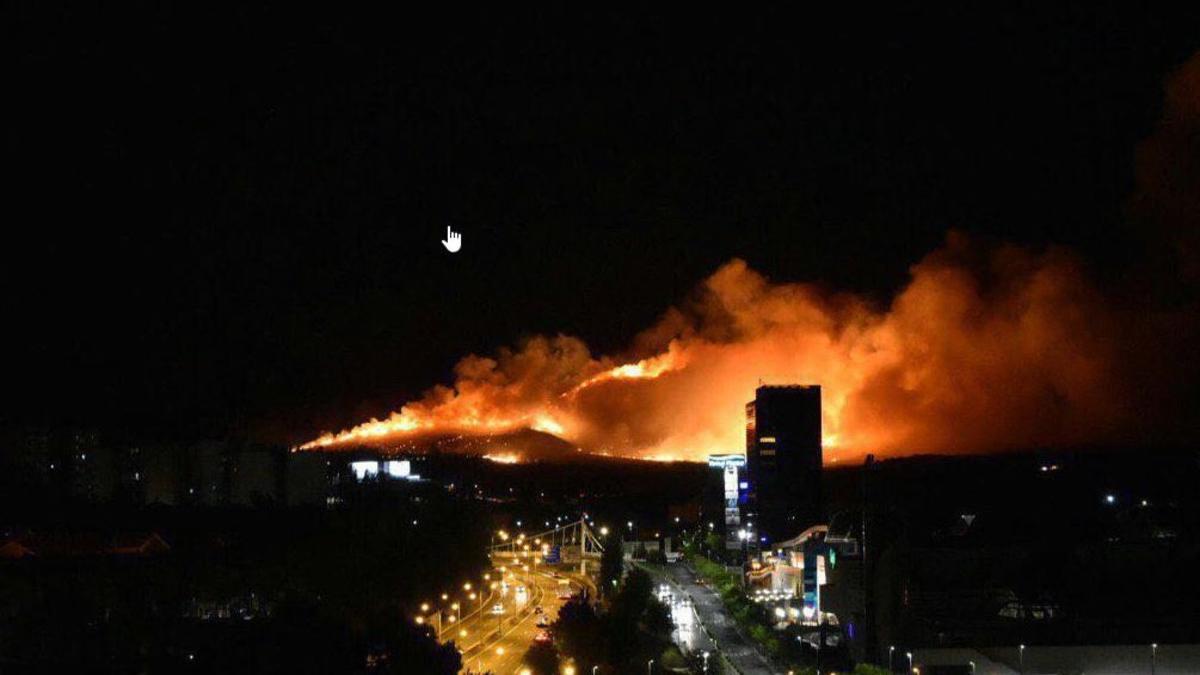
980, 352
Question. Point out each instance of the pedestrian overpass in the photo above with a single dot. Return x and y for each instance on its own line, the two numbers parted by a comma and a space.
575, 543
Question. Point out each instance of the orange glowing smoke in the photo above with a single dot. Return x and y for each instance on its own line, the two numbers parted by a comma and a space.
985, 349
981, 351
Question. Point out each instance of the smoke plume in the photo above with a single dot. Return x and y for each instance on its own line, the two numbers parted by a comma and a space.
986, 348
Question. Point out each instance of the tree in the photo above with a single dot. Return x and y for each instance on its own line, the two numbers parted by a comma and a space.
577, 632
611, 564
713, 543
542, 659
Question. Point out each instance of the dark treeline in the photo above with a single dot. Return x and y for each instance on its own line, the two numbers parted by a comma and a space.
302, 589
1052, 547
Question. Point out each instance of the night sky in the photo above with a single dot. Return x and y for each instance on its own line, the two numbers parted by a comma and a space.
231, 223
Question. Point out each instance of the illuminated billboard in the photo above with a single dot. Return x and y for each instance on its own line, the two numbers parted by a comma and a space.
722, 461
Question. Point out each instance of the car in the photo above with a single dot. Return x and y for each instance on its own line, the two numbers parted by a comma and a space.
543, 621
497, 608
537, 610
565, 595
542, 637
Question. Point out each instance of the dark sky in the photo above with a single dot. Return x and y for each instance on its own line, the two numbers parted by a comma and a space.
224, 223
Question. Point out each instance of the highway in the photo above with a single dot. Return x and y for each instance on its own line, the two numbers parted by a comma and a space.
508, 637
718, 632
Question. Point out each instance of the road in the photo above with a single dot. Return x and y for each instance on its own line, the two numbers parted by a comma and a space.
502, 651
718, 628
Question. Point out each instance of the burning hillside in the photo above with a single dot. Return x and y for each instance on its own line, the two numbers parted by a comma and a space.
986, 348
983, 350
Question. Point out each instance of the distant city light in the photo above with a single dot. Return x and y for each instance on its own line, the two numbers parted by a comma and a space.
363, 469
1110, 498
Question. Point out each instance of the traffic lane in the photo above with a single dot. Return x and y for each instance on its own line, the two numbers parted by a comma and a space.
452, 631
720, 626
518, 641
697, 640
520, 637
503, 654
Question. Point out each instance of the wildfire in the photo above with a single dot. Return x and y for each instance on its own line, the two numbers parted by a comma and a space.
645, 369
961, 361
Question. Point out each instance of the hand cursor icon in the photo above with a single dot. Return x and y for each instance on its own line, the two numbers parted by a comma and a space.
453, 241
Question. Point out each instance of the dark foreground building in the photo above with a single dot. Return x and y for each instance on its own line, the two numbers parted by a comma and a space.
783, 454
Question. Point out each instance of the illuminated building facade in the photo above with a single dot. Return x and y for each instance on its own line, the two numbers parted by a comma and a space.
783, 457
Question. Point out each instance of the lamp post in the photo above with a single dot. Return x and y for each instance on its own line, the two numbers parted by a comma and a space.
1021, 658
972, 664
909, 655
705, 655
1153, 656
650, 667
891, 651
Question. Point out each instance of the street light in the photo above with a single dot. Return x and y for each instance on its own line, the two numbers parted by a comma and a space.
650, 667
705, 655
1021, 658
891, 650
1153, 656
909, 655
972, 664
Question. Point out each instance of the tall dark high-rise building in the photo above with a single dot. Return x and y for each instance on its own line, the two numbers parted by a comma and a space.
783, 457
